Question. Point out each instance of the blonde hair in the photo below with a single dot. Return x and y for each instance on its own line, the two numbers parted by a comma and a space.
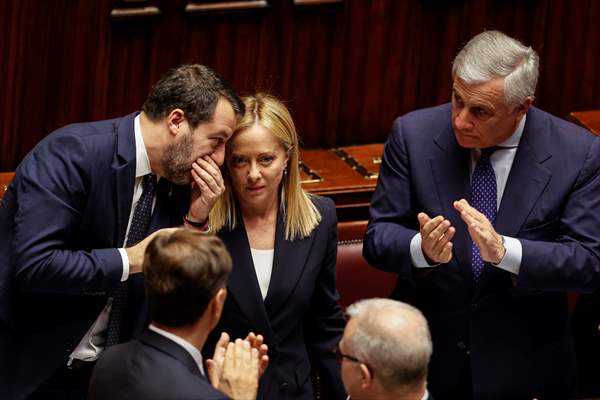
301, 215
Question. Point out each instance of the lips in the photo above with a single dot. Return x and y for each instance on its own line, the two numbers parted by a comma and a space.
254, 189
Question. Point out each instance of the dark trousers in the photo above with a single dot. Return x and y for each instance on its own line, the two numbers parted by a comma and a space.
67, 383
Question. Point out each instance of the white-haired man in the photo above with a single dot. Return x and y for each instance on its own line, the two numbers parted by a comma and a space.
385, 351
488, 210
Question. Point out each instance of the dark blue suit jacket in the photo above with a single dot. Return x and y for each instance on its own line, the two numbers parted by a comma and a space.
61, 220
152, 367
299, 316
517, 335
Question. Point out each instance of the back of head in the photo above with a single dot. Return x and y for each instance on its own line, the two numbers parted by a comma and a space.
491, 55
193, 88
393, 339
183, 271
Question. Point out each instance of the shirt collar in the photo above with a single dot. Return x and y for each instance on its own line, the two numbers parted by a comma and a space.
194, 352
142, 162
515, 138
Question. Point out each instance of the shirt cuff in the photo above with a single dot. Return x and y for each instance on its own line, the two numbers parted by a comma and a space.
416, 253
125, 260
511, 261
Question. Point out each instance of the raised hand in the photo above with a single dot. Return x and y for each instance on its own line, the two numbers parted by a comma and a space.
436, 238
257, 342
207, 186
214, 365
489, 242
239, 379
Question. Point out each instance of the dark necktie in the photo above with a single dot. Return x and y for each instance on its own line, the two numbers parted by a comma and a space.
138, 230
483, 198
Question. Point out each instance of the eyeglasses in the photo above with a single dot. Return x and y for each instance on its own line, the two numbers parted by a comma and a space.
338, 353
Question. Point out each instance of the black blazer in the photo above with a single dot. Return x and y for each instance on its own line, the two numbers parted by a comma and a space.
61, 221
153, 367
300, 314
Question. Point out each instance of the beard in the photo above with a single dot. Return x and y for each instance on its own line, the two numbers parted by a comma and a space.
177, 161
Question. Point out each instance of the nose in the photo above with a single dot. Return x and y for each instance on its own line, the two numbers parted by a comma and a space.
218, 155
462, 120
253, 172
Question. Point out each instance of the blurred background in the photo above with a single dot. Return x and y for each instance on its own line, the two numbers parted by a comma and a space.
346, 68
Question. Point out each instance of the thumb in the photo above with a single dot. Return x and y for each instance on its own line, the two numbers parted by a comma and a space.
423, 218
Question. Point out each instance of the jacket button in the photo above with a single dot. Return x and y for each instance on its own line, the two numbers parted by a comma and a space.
473, 306
461, 345
284, 386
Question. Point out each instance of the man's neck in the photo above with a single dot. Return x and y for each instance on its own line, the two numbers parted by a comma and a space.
193, 335
400, 394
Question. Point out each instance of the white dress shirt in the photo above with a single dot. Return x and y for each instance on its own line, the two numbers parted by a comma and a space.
501, 160
92, 344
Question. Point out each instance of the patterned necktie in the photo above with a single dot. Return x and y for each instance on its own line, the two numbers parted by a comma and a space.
138, 230
483, 198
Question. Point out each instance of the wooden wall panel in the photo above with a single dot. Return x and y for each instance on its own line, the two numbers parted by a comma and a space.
345, 68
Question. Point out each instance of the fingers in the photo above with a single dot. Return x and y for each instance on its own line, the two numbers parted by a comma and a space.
254, 364
207, 176
244, 353
264, 363
223, 341
423, 219
229, 362
482, 232
436, 237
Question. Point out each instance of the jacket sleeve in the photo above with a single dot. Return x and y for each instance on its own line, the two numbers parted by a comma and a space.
48, 195
565, 254
324, 324
393, 222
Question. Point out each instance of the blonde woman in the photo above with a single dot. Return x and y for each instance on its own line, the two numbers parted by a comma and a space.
283, 243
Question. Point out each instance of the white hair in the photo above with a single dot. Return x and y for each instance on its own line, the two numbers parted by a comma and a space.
393, 339
491, 55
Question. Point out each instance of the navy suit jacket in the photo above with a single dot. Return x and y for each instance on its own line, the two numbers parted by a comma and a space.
152, 367
300, 314
516, 332
61, 221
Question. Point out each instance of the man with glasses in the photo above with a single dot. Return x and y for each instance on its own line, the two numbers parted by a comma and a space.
385, 351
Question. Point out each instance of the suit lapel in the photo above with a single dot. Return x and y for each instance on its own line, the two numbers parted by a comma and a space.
243, 284
289, 260
450, 169
124, 170
527, 179
171, 348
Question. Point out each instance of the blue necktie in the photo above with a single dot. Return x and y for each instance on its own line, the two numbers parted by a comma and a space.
483, 198
138, 230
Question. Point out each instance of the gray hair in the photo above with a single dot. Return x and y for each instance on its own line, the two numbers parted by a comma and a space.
491, 55
393, 339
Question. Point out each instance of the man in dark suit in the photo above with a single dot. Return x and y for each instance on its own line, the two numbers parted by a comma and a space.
185, 279
385, 351
488, 210
70, 222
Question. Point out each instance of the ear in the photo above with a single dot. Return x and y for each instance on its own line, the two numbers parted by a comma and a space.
217, 303
174, 120
366, 378
523, 108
